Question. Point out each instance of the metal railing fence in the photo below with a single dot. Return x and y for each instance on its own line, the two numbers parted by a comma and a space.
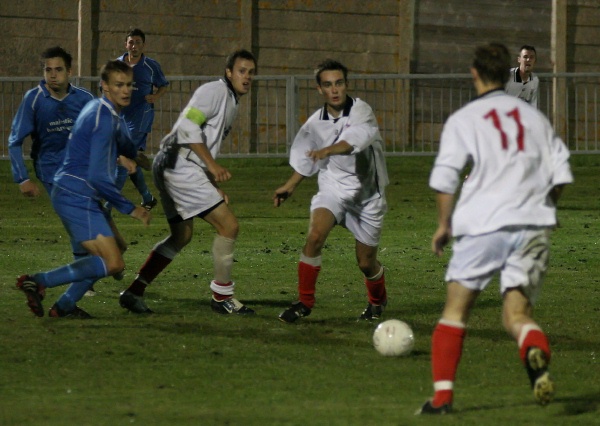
411, 109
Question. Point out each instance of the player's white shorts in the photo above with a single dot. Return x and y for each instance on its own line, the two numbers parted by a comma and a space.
185, 190
520, 254
363, 220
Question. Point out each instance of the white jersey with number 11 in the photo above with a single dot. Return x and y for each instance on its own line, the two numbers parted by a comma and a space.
516, 159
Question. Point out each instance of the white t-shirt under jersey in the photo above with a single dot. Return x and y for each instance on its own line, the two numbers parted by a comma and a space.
516, 160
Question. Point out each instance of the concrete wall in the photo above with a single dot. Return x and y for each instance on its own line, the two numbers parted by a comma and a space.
192, 37
583, 36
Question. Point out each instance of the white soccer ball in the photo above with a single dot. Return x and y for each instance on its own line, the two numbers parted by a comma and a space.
393, 338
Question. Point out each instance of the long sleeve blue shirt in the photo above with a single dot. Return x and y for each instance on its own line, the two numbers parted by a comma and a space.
48, 121
98, 137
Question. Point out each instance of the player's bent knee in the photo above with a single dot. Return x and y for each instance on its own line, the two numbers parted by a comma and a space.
115, 266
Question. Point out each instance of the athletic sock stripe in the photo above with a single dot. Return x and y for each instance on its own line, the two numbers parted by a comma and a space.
443, 385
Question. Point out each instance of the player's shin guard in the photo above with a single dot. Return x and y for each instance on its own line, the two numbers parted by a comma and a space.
222, 251
308, 271
532, 335
86, 268
376, 288
447, 343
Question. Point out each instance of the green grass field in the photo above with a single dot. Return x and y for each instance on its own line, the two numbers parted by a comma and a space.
185, 365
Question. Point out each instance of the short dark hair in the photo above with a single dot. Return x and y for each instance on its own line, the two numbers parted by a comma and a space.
492, 62
240, 53
112, 67
136, 32
57, 52
330, 65
527, 47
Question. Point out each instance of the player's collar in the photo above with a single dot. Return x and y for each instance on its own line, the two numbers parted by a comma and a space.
70, 89
345, 113
126, 55
230, 86
496, 91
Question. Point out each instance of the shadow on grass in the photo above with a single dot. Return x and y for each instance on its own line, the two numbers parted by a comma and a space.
572, 406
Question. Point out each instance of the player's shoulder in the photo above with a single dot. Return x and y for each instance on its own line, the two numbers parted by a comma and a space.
213, 88
151, 62
81, 92
361, 106
36, 91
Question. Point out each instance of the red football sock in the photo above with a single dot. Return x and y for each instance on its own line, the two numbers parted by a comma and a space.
534, 337
154, 265
307, 281
225, 291
447, 343
376, 290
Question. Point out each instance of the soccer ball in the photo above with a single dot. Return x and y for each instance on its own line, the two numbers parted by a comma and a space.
393, 338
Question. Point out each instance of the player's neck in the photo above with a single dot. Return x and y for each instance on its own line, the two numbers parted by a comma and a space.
525, 75
484, 87
133, 61
58, 94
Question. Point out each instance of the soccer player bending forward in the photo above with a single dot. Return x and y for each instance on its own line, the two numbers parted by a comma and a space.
187, 176
501, 222
340, 142
99, 139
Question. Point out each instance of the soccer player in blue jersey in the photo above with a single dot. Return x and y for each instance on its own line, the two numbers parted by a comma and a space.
147, 75
46, 114
99, 139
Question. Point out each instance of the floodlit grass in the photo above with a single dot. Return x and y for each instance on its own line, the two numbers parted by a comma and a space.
187, 366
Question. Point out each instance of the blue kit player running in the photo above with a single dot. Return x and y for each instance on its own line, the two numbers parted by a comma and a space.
147, 75
99, 139
46, 114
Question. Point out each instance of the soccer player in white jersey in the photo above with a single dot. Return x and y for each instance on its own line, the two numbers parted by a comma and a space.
501, 222
523, 83
341, 143
187, 177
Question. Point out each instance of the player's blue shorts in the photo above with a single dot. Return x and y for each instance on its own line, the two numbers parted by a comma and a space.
84, 218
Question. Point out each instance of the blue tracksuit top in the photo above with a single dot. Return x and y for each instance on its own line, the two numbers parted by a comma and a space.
98, 137
147, 74
48, 121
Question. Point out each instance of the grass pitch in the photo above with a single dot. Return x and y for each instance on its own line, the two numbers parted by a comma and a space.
185, 365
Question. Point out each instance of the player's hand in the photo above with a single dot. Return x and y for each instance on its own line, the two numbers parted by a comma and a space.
440, 239
317, 154
128, 163
225, 196
29, 189
150, 98
219, 173
281, 194
141, 214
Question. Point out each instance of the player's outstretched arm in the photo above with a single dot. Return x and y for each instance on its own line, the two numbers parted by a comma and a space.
141, 214
286, 190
